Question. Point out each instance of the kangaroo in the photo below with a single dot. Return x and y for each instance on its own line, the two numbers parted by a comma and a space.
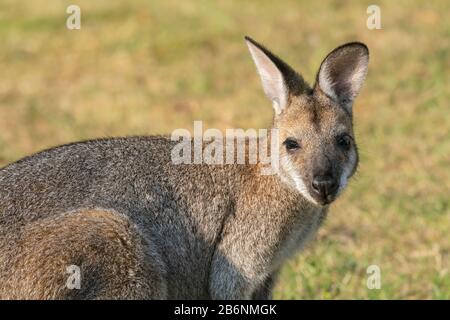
139, 226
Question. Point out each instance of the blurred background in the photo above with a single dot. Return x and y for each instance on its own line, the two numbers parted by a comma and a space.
149, 67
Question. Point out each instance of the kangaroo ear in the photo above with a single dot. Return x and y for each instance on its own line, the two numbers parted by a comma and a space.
342, 73
277, 77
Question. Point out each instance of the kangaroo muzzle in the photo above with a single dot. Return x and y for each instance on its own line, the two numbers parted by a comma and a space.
324, 188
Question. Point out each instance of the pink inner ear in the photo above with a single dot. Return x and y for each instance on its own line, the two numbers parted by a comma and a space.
343, 72
271, 78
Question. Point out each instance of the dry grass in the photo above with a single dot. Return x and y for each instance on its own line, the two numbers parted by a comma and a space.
141, 68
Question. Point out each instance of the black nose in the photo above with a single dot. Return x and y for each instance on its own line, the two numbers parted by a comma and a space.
325, 187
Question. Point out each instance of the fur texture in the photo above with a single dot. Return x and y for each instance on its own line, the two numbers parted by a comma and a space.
141, 227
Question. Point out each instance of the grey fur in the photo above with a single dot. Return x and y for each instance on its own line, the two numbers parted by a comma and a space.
141, 227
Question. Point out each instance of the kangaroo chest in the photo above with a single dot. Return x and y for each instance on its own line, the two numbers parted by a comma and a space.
301, 229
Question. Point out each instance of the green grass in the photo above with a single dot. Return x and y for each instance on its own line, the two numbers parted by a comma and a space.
139, 67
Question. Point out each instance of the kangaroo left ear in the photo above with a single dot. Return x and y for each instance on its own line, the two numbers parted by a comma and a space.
279, 80
343, 72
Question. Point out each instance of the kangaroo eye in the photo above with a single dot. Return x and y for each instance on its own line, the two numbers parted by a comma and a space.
291, 144
344, 141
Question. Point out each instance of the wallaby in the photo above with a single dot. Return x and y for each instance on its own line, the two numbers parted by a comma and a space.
139, 226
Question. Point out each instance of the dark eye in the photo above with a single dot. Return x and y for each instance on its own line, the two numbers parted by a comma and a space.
344, 141
291, 144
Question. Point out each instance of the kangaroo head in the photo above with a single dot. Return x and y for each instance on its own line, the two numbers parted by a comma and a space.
317, 148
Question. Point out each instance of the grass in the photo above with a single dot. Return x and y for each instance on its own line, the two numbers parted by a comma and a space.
139, 67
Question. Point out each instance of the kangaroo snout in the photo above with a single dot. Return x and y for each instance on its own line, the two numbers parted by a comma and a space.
324, 188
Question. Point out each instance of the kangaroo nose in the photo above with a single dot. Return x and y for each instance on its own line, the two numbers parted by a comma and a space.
324, 186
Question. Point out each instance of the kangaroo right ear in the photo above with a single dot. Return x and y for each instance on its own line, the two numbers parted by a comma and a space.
277, 77
342, 73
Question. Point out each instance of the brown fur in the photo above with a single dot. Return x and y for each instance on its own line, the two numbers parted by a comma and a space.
141, 227
115, 260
